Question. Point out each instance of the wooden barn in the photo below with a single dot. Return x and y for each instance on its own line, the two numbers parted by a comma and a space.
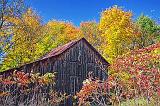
72, 62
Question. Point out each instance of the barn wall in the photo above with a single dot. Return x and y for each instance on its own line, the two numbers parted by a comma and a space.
73, 66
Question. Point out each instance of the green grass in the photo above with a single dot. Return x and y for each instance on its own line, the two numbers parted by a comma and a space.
139, 102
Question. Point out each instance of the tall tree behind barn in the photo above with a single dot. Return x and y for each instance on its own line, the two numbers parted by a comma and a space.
72, 62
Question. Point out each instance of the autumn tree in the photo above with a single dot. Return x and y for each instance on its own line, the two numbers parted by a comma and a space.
117, 31
21, 47
150, 31
10, 8
57, 33
142, 67
136, 76
91, 32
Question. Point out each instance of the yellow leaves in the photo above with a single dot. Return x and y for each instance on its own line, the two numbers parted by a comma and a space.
60, 32
90, 31
56, 33
157, 51
117, 29
13, 20
25, 33
31, 18
114, 16
46, 79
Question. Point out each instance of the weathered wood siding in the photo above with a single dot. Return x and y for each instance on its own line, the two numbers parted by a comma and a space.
72, 67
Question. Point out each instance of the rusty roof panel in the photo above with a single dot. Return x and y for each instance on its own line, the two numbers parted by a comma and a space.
59, 50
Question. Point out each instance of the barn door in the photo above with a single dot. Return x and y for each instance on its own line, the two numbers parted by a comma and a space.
74, 84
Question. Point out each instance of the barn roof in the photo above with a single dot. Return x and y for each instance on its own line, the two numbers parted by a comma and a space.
61, 49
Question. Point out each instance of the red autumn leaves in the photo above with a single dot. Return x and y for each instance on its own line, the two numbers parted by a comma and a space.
143, 68
18, 77
22, 80
134, 74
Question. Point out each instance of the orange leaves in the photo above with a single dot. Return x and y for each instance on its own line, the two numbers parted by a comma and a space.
3, 94
92, 89
64, 30
87, 90
23, 79
8, 82
18, 77
21, 84
46, 79
147, 49
71, 32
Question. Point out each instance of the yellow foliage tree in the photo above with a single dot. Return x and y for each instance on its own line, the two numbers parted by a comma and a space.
117, 30
91, 32
57, 33
22, 44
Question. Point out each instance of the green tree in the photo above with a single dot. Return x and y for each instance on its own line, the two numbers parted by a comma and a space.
150, 31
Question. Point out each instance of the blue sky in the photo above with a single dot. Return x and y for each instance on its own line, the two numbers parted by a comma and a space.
77, 11
85, 10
